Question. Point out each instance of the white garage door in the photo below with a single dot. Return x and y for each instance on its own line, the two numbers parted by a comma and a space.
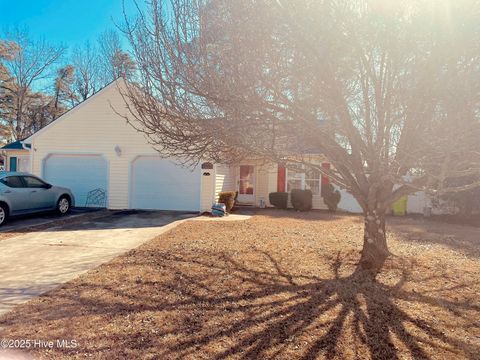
85, 175
158, 184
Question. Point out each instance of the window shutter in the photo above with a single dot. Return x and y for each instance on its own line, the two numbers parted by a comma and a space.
281, 178
13, 164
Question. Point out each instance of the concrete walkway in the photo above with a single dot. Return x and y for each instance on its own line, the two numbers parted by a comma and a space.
37, 262
231, 217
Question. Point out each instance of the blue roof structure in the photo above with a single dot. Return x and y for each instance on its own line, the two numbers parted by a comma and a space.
16, 145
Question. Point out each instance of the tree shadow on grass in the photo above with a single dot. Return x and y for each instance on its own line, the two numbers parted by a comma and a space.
220, 305
354, 304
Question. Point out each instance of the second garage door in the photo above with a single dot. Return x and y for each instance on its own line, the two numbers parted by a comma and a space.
85, 175
158, 184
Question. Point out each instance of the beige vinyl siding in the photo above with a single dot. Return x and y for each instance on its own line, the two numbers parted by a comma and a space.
266, 182
318, 203
207, 190
94, 127
224, 179
272, 180
15, 153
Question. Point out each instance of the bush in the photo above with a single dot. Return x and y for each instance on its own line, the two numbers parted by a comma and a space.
331, 197
227, 198
301, 199
278, 199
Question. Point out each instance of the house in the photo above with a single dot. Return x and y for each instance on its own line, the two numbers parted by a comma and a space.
15, 157
92, 150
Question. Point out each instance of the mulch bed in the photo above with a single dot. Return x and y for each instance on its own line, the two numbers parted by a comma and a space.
281, 285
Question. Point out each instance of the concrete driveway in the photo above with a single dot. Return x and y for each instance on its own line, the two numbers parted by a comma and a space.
27, 221
37, 262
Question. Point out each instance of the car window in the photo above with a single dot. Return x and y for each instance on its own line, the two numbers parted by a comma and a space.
13, 181
33, 182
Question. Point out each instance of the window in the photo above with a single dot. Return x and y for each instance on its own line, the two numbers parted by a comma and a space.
312, 181
304, 179
13, 182
33, 182
294, 178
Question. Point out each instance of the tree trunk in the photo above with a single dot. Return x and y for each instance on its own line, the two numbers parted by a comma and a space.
375, 250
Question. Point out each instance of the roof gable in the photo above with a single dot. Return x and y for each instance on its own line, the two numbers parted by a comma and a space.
76, 108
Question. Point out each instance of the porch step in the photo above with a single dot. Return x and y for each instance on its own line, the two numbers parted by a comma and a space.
241, 205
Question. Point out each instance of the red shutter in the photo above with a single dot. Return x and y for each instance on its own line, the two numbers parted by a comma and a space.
281, 178
325, 179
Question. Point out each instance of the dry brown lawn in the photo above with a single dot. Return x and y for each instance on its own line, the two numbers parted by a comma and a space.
281, 285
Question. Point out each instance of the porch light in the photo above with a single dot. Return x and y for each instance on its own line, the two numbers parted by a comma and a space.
118, 150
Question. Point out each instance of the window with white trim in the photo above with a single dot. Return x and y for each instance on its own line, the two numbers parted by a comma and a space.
312, 180
304, 179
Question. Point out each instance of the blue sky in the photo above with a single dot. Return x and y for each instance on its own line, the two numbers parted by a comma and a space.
70, 22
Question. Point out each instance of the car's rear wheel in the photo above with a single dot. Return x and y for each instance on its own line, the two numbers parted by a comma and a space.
63, 205
3, 214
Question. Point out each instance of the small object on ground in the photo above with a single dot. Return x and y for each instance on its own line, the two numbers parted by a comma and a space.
219, 210
262, 204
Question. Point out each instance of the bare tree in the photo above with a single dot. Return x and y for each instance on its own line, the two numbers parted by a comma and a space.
122, 65
115, 61
383, 89
7, 52
64, 95
31, 64
88, 77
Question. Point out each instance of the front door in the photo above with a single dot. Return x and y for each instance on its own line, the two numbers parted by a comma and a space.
246, 184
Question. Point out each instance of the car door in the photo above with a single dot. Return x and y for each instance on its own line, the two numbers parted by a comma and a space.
17, 194
41, 195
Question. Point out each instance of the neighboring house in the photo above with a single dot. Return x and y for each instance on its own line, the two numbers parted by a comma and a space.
15, 157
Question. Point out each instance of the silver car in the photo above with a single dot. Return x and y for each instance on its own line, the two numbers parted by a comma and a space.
23, 193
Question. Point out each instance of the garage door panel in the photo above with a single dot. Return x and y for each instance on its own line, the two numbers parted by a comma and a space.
159, 184
81, 174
